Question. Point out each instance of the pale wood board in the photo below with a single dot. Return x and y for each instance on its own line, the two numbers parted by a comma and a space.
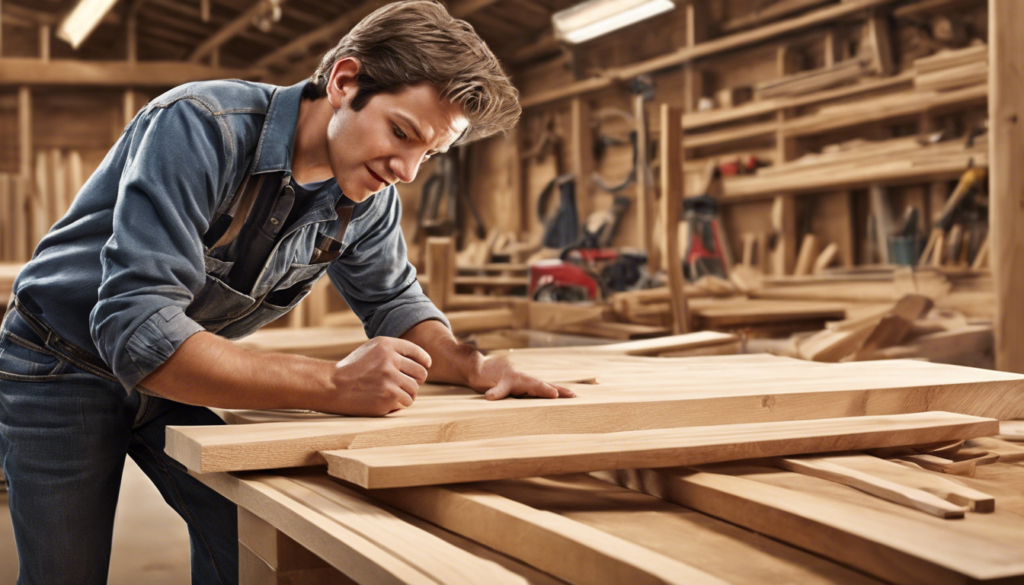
355, 535
587, 531
881, 538
564, 548
529, 456
631, 393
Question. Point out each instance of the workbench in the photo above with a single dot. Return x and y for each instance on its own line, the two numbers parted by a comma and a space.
711, 520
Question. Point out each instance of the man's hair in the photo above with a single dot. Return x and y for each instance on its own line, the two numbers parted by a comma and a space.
411, 42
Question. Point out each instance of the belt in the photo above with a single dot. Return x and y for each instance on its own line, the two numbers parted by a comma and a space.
75, 355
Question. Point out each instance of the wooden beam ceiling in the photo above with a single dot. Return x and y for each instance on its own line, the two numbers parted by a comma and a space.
69, 72
231, 29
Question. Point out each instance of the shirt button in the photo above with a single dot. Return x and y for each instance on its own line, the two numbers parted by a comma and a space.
274, 221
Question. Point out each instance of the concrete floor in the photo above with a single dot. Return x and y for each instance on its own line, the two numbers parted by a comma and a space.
150, 541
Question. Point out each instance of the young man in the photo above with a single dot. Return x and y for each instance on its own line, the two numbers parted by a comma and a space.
215, 212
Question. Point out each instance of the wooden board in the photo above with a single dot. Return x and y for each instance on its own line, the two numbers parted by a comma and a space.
557, 545
587, 531
355, 535
631, 393
529, 456
881, 538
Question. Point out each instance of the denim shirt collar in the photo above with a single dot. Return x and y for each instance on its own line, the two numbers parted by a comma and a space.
274, 149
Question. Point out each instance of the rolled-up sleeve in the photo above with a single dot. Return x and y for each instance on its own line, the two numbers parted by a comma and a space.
374, 276
153, 263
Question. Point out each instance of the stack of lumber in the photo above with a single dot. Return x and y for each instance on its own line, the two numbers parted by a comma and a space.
651, 307
952, 69
860, 163
736, 439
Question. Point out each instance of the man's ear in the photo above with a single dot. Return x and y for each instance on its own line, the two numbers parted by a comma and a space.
341, 85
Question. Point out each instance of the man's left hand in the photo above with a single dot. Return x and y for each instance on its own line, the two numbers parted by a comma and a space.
498, 379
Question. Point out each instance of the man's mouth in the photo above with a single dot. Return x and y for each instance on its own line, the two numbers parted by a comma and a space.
376, 176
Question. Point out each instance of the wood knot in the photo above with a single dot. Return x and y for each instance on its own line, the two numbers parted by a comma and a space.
768, 402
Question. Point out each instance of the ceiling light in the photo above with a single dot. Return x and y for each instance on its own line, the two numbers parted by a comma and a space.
594, 18
83, 18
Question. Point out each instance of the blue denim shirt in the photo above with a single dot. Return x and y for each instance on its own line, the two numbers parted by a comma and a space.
126, 276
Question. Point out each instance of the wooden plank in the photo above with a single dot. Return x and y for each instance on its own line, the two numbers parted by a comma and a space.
507, 458
1006, 177
880, 538
808, 254
672, 192
631, 393
253, 570
824, 468
566, 549
353, 534
273, 547
72, 72
913, 477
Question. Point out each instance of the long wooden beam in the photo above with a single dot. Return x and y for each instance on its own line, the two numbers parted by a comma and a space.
702, 50
332, 31
20, 71
1006, 177
539, 455
230, 30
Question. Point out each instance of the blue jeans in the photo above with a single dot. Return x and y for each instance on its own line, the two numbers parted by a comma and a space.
65, 429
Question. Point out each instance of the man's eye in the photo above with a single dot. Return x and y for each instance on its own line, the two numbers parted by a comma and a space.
398, 132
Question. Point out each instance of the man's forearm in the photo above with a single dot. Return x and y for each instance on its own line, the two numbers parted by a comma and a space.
452, 362
212, 371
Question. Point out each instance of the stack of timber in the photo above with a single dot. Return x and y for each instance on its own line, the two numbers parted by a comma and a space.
725, 313
861, 163
746, 440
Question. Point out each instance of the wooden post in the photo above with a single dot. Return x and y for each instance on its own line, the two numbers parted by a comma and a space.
132, 36
268, 556
646, 207
440, 267
1006, 178
582, 155
44, 42
672, 193
25, 131
513, 209
204, 10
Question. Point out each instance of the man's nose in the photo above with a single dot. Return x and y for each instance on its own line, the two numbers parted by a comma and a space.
405, 167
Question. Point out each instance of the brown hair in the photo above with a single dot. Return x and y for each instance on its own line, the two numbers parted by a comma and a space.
410, 42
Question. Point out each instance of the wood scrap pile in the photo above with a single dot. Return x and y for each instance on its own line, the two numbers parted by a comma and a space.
908, 329
834, 459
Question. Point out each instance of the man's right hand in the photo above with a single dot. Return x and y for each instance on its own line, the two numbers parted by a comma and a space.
381, 376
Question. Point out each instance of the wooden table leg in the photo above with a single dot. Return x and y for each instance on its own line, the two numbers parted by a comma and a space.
266, 556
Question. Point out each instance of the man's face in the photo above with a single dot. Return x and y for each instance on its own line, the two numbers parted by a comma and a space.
389, 138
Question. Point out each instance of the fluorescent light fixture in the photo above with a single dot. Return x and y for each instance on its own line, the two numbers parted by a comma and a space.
82, 20
593, 18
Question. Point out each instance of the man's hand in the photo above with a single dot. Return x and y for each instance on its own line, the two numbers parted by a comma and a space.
381, 376
498, 378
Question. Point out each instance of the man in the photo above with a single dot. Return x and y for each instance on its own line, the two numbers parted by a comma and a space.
213, 214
